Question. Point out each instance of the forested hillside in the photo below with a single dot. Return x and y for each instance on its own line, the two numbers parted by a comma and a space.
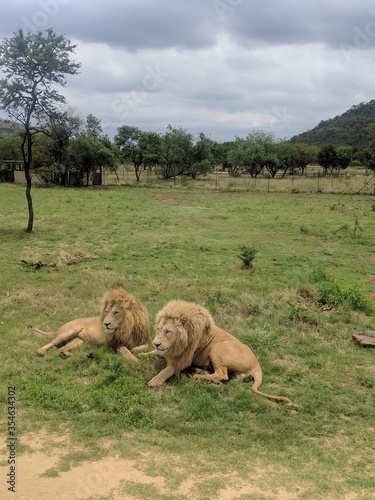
7, 127
355, 127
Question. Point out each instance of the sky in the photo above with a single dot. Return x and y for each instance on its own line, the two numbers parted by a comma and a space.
222, 67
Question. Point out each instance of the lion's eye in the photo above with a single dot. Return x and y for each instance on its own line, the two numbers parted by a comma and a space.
115, 313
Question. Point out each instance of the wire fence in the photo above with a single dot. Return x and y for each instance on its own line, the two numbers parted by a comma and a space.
343, 183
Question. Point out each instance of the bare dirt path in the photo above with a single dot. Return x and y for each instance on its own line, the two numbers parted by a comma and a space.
113, 478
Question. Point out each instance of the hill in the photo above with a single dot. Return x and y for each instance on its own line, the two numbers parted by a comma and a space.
7, 127
349, 129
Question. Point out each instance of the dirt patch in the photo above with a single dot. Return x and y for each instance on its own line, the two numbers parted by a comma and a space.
39, 476
169, 200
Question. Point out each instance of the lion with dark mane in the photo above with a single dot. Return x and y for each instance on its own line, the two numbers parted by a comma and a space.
186, 336
123, 325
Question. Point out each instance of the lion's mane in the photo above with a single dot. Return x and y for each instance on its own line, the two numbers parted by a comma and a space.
194, 324
135, 328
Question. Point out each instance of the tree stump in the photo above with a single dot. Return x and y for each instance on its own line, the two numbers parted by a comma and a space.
367, 339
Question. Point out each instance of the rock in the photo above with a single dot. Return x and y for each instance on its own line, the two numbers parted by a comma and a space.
366, 339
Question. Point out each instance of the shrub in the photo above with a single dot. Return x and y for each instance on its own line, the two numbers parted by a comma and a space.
247, 255
332, 293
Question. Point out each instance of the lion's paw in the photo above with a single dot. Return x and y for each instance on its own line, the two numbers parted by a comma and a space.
154, 384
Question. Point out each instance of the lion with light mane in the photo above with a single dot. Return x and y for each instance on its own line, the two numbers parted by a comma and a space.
123, 325
186, 336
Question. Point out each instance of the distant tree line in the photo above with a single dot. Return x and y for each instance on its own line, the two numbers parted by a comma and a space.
75, 152
53, 142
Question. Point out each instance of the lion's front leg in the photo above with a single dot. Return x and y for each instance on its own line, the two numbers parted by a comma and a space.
162, 376
44, 349
141, 348
147, 354
126, 353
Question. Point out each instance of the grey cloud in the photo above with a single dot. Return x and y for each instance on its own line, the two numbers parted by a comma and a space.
141, 24
295, 22
221, 66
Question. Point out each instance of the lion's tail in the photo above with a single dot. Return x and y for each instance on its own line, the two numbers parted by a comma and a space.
41, 332
258, 377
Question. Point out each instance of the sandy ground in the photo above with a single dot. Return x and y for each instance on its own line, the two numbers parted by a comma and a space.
109, 478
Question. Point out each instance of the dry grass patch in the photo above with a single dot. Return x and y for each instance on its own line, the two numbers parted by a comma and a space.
59, 259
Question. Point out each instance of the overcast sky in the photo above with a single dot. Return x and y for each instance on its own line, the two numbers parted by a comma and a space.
222, 67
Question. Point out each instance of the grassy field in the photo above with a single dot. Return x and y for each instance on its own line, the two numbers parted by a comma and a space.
311, 288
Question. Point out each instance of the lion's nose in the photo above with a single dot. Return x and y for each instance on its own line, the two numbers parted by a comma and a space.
107, 325
157, 345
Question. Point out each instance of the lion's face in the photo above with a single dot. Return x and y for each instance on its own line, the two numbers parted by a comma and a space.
113, 317
168, 332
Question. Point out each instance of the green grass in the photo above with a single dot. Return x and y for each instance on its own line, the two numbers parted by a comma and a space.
298, 306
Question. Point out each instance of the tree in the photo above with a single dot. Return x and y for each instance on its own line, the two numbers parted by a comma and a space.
43, 158
61, 129
34, 63
286, 156
220, 152
94, 126
10, 147
10, 155
371, 162
344, 156
128, 140
255, 153
150, 144
237, 157
85, 156
202, 157
305, 154
327, 158
177, 154
366, 157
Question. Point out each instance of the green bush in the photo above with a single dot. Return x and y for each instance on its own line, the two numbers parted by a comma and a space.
247, 255
332, 293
